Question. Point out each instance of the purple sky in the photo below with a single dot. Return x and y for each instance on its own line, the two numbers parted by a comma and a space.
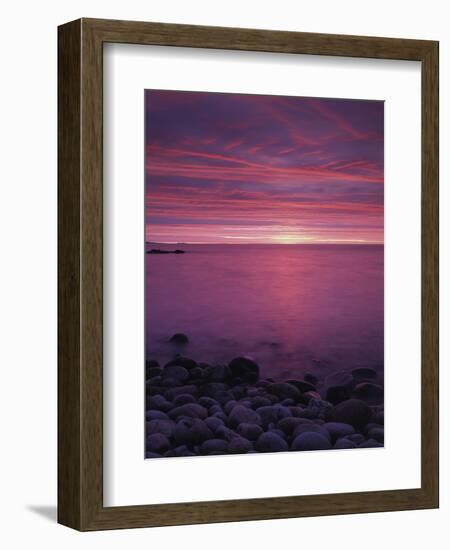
233, 168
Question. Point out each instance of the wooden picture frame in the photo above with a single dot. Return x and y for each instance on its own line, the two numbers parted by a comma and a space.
80, 272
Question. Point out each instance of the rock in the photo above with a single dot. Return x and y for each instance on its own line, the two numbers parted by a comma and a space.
337, 394
217, 373
196, 372
370, 443
214, 446
239, 445
356, 438
353, 412
340, 378
169, 382
223, 432
338, 430
180, 374
228, 407
191, 410
184, 399
302, 385
368, 392
310, 441
285, 390
223, 396
213, 423
269, 442
344, 443
311, 378
162, 426
159, 403
240, 414
273, 413
155, 415
378, 418
310, 428
173, 392
311, 395
260, 401
287, 402
157, 443
249, 431
191, 431
297, 411
211, 389
207, 402
214, 409
364, 373
288, 424
376, 433
239, 392
151, 372
179, 338
245, 369
180, 361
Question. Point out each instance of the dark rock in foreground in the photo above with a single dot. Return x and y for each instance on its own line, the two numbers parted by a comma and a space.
197, 409
179, 338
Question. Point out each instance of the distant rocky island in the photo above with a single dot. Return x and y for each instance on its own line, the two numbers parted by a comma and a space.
159, 251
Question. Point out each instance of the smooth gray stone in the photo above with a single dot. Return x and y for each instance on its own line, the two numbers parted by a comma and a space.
180, 374
240, 414
269, 442
310, 441
344, 443
213, 422
311, 428
191, 431
214, 446
183, 399
160, 403
354, 412
157, 443
283, 390
155, 415
249, 431
192, 410
162, 426
376, 433
239, 445
338, 429
273, 413
370, 393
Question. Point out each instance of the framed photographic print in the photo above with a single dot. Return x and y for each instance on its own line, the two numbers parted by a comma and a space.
248, 274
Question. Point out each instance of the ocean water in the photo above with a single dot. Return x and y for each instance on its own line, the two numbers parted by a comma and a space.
293, 308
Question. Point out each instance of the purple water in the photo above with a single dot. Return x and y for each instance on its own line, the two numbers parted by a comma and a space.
291, 307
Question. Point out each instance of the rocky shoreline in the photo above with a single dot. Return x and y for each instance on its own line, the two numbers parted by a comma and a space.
197, 409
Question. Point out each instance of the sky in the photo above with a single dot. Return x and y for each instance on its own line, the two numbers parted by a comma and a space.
239, 169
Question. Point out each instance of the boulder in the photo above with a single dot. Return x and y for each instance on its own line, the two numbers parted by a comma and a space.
180, 374
338, 430
344, 443
340, 378
302, 385
179, 338
239, 445
288, 424
191, 431
273, 413
310, 441
164, 427
180, 361
370, 393
249, 431
245, 369
337, 394
188, 388
155, 415
364, 373
240, 414
214, 446
217, 373
191, 410
183, 399
311, 378
159, 402
157, 443
310, 428
285, 390
353, 411
213, 423
269, 442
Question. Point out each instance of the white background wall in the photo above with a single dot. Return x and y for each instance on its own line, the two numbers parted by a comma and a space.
28, 272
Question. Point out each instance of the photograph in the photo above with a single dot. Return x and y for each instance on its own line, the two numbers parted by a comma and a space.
264, 273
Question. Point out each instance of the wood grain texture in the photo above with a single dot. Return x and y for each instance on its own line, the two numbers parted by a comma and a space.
80, 242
